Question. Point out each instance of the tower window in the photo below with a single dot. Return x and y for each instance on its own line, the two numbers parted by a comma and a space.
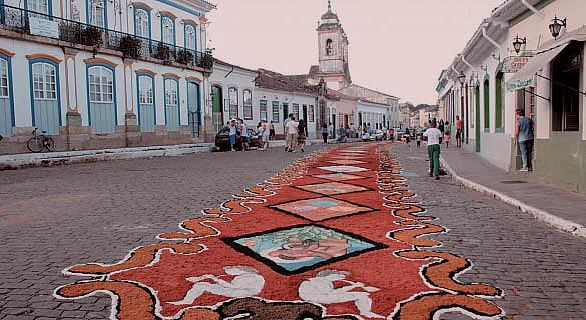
329, 47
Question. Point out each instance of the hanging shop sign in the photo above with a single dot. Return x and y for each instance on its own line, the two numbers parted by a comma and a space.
514, 63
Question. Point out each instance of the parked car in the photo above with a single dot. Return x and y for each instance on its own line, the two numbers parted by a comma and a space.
222, 140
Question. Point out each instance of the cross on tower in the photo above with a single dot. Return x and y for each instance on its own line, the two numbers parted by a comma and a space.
329, 5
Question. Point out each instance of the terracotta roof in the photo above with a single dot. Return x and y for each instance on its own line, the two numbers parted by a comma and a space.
291, 83
337, 95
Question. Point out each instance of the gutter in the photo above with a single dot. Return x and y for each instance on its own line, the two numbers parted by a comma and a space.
491, 40
532, 8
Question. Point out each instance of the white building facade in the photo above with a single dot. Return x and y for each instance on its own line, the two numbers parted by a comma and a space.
490, 80
103, 73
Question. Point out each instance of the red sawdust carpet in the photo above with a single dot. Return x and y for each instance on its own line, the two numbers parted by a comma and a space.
336, 235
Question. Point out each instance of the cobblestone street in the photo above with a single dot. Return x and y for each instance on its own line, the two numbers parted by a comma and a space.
53, 218
541, 270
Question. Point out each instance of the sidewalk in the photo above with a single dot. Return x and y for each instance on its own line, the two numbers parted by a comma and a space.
562, 209
29, 160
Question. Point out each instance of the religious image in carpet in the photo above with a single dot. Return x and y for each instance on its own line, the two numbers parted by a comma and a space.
321, 209
298, 249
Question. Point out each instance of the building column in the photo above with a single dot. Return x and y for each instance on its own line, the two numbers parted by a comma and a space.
583, 97
73, 116
131, 130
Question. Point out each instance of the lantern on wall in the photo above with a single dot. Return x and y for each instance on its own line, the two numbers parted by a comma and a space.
518, 43
556, 26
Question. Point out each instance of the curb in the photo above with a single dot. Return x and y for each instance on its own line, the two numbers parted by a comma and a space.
34, 160
573, 228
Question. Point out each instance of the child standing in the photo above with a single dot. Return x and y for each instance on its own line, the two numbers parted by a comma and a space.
418, 140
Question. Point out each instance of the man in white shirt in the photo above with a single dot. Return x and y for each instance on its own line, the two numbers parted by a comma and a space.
433, 136
292, 131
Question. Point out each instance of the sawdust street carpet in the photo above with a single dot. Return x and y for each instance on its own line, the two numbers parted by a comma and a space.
336, 235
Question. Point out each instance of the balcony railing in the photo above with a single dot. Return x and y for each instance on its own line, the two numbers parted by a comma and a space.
131, 46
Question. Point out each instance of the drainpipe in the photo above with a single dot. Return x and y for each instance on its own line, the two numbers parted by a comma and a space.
532, 8
491, 40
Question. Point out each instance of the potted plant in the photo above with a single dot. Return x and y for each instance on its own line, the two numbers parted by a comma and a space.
207, 61
130, 47
163, 53
91, 36
184, 57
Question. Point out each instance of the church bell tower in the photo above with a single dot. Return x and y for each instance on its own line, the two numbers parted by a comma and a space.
333, 51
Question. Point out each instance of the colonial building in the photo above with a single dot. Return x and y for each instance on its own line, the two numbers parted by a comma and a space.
102, 73
232, 95
527, 55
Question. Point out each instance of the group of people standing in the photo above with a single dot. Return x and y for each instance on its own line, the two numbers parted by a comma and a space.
295, 134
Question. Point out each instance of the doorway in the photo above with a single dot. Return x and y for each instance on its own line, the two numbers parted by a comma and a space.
217, 108
305, 113
194, 108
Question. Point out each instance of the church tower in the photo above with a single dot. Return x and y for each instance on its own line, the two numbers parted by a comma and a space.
333, 51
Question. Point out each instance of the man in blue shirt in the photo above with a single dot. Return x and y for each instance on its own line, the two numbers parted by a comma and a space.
525, 137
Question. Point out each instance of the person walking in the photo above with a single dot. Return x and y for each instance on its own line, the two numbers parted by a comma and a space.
418, 137
433, 135
286, 129
292, 132
525, 136
440, 127
266, 137
272, 132
302, 135
447, 134
459, 131
324, 132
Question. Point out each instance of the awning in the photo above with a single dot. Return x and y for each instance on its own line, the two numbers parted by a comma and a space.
526, 76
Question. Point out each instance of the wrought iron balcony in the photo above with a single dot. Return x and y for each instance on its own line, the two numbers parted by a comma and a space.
131, 46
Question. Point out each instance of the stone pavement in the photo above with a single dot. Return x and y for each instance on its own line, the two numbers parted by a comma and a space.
561, 208
541, 270
52, 218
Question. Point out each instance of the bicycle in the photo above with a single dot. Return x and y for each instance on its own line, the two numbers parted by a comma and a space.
40, 142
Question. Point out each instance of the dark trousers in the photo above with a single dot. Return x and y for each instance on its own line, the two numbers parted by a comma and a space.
325, 136
434, 155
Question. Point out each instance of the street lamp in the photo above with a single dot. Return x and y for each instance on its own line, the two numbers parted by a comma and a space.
518, 43
556, 26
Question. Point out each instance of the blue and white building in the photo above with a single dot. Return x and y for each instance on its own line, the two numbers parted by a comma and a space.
103, 73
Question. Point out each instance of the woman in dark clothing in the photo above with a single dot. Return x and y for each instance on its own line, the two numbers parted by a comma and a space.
302, 135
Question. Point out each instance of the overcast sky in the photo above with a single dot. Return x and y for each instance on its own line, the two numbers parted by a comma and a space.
396, 46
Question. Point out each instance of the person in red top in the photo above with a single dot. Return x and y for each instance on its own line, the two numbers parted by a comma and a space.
459, 131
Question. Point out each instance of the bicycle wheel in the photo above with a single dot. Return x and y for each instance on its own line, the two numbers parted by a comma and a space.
35, 144
49, 144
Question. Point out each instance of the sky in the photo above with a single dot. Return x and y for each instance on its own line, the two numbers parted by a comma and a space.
396, 46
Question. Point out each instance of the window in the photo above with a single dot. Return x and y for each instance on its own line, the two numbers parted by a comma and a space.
276, 112
296, 111
190, 37
4, 89
44, 81
311, 113
329, 47
565, 103
40, 6
146, 91
101, 84
486, 105
499, 97
233, 102
168, 30
263, 111
247, 95
142, 26
171, 94
97, 13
